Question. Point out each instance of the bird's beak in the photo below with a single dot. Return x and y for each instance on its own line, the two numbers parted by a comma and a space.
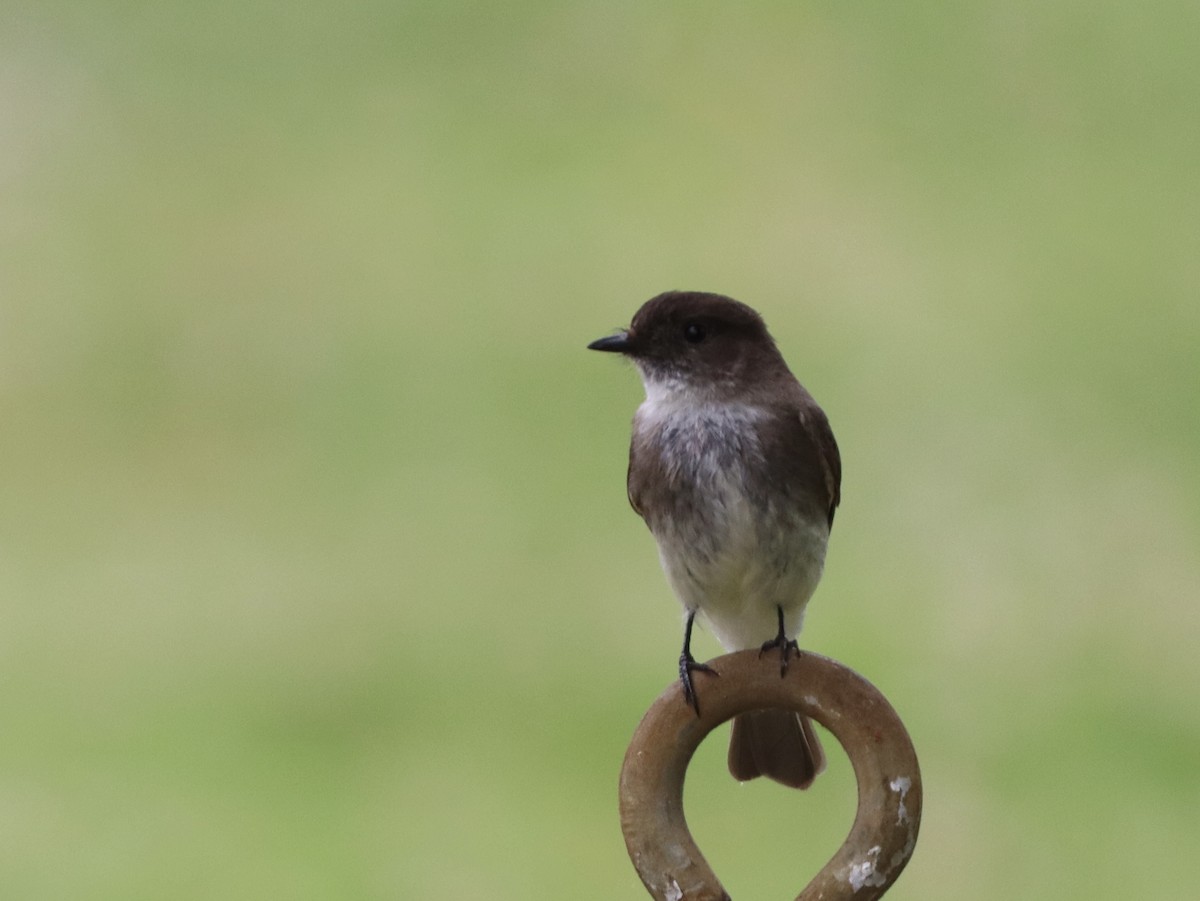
617, 344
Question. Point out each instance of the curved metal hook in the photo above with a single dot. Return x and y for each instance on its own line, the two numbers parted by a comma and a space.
884, 833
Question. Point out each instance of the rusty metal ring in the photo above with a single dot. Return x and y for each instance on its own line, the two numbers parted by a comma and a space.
884, 833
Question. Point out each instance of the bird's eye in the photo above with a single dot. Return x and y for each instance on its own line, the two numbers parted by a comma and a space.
694, 332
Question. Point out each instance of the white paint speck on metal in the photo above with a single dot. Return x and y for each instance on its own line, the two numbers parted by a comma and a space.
901, 784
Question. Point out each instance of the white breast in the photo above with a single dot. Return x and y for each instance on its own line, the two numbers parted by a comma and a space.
735, 561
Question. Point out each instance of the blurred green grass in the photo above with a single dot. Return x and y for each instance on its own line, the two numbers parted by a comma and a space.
316, 574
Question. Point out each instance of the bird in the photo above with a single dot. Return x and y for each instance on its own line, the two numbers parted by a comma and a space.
734, 468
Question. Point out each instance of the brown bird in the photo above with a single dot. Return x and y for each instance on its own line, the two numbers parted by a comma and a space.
735, 470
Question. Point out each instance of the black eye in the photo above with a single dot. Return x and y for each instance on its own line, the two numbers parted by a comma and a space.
694, 332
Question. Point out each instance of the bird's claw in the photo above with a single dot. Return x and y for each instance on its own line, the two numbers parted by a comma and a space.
688, 665
786, 650
781, 643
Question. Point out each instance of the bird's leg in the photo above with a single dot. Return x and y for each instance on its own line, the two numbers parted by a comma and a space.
688, 664
781, 642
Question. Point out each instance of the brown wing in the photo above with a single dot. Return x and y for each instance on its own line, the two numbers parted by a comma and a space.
817, 426
633, 487
804, 456
638, 478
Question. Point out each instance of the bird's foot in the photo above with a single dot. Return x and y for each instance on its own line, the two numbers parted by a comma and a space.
781, 643
786, 650
687, 666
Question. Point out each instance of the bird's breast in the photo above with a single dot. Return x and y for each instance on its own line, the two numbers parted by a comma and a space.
731, 543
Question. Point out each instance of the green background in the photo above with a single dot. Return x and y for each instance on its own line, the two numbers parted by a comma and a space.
317, 578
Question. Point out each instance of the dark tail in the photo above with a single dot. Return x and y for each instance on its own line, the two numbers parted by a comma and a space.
778, 744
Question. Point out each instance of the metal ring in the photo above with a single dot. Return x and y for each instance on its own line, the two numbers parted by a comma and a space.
884, 833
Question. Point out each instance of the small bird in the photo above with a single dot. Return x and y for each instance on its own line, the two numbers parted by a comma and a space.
734, 468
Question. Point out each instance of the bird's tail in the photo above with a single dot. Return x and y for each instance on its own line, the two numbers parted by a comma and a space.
778, 744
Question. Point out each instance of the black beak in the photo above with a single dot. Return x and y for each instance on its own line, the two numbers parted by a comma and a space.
617, 344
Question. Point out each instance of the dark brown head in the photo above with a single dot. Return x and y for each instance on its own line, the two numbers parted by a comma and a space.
699, 343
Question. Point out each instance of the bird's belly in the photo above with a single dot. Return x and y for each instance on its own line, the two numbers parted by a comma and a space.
743, 566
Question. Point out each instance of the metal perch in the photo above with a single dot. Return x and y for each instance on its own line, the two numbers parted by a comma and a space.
884, 833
